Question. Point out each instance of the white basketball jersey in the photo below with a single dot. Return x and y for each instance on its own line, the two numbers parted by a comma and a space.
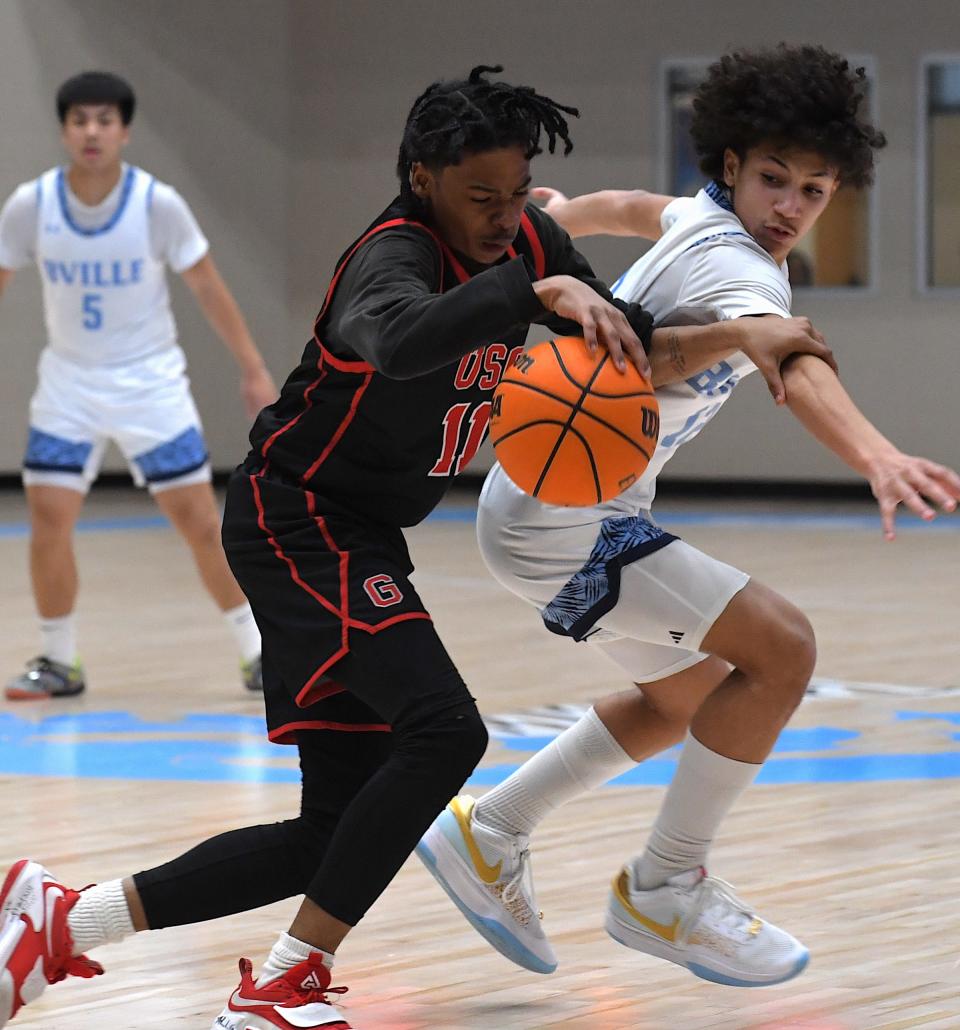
704, 268
105, 295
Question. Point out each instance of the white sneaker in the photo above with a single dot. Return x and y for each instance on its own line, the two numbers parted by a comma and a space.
488, 877
698, 922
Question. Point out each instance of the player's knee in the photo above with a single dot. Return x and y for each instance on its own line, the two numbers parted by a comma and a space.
306, 839
200, 527
674, 712
50, 522
792, 652
449, 742
796, 641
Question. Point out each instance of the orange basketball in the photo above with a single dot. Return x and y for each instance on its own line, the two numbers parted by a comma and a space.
568, 428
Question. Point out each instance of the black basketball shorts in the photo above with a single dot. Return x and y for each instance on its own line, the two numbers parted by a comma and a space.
347, 642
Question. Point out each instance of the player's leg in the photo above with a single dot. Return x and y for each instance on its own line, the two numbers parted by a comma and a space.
44, 921
333, 594
158, 429
192, 510
663, 902
54, 511
436, 740
618, 732
58, 470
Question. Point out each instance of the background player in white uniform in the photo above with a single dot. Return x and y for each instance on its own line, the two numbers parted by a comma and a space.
101, 233
710, 649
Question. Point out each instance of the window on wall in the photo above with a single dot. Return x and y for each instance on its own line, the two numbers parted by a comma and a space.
836, 253
942, 89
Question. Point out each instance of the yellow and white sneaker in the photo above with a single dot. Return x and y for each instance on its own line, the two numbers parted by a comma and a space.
487, 876
698, 922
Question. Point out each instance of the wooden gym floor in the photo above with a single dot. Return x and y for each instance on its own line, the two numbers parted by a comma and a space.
851, 842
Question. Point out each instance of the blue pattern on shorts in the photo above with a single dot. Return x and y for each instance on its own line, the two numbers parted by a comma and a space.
49, 453
595, 589
184, 453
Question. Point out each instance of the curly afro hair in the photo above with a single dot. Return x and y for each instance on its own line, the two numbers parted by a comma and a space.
799, 97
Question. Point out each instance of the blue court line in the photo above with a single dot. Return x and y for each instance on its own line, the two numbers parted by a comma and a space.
666, 518
21, 529
214, 747
816, 738
772, 520
832, 769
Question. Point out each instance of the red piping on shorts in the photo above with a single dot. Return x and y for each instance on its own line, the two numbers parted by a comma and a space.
278, 550
285, 734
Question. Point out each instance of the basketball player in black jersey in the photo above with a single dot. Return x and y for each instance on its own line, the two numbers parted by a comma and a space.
389, 403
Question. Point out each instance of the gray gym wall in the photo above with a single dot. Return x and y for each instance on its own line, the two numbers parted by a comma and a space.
279, 121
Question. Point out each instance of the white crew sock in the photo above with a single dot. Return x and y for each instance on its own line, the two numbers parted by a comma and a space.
583, 757
703, 790
287, 953
100, 916
244, 629
59, 639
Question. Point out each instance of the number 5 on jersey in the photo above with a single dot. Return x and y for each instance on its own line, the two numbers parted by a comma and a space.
92, 311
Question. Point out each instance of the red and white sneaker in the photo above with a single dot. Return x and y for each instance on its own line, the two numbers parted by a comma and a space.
295, 1001
36, 948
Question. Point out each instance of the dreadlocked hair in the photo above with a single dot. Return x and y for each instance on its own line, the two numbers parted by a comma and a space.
468, 116
800, 97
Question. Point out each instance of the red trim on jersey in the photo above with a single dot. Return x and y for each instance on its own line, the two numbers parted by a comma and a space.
458, 270
341, 365
286, 734
307, 405
539, 259
289, 562
391, 224
329, 358
341, 429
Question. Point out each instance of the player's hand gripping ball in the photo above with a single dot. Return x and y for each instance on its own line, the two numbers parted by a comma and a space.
568, 428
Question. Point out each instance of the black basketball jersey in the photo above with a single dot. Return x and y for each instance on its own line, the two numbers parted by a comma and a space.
392, 397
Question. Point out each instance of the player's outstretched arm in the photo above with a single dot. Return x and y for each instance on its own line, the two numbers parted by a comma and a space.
679, 352
607, 212
826, 410
223, 314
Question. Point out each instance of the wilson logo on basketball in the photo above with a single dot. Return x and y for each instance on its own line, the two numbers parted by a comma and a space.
650, 424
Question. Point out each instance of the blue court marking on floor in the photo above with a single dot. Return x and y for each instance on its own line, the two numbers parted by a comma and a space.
757, 520
668, 519
21, 529
817, 738
831, 769
212, 747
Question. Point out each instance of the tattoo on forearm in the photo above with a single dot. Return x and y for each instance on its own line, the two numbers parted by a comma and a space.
677, 360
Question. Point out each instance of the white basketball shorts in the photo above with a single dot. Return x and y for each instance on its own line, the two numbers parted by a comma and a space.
146, 409
641, 596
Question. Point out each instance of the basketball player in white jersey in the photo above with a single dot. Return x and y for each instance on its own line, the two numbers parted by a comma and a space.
718, 658
101, 233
